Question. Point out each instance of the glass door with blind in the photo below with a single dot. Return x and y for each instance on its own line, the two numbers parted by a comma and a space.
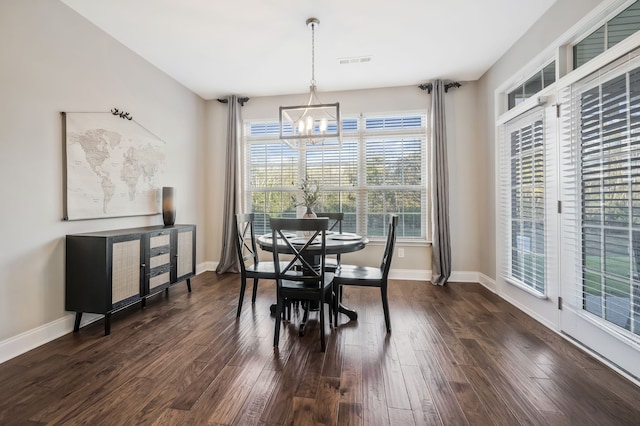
600, 240
528, 219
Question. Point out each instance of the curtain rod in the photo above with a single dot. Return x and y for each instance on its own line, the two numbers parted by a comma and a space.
241, 101
429, 86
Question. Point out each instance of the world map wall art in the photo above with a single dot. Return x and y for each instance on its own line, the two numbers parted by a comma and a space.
114, 167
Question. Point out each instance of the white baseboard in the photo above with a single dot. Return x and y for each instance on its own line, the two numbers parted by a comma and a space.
426, 275
206, 266
487, 282
31, 339
410, 274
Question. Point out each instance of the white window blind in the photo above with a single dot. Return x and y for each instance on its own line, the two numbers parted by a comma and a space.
379, 169
271, 173
523, 201
603, 159
336, 170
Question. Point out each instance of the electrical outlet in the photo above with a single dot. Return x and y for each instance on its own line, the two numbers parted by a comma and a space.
400, 252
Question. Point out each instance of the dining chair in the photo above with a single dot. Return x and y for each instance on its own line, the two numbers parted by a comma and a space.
304, 277
250, 264
335, 225
367, 276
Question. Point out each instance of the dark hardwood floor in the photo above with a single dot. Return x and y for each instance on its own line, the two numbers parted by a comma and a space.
457, 355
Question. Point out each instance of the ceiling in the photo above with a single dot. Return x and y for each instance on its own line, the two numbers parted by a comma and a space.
263, 47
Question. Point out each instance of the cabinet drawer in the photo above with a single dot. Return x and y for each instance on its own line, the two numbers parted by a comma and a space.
159, 276
159, 260
160, 240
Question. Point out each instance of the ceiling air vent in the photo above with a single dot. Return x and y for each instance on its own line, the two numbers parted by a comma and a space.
354, 60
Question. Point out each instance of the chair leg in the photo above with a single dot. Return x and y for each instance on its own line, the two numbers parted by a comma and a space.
336, 304
276, 335
322, 342
243, 286
305, 317
385, 307
255, 291
331, 304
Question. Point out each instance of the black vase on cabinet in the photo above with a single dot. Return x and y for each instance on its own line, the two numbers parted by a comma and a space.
168, 205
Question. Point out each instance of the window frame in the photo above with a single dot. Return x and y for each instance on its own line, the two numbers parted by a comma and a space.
362, 188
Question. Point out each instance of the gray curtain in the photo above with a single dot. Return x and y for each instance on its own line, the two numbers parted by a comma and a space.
229, 256
441, 246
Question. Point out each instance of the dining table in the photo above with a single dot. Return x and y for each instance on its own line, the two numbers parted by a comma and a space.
336, 243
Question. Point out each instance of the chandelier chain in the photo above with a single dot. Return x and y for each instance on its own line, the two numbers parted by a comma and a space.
313, 54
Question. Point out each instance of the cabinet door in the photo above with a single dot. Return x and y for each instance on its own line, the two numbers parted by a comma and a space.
159, 260
126, 265
185, 252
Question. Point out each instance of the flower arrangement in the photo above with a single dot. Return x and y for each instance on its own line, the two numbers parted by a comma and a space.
310, 193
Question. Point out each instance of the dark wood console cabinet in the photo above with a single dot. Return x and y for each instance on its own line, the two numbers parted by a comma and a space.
110, 270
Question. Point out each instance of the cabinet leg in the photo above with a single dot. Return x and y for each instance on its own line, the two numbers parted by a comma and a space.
76, 324
143, 302
189, 284
107, 324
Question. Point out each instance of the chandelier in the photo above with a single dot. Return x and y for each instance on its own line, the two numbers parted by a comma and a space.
314, 123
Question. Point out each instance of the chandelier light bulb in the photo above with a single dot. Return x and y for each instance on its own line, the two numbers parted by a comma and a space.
300, 127
323, 125
309, 124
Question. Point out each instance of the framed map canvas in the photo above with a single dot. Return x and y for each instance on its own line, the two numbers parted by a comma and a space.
114, 167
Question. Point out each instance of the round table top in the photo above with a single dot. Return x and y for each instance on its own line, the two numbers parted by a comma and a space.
336, 243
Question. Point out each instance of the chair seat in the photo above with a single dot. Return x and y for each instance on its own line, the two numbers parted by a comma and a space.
358, 275
301, 285
331, 264
264, 269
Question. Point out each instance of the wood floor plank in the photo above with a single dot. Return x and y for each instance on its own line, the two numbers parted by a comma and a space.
350, 414
424, 410
327, 402
351, 377
394, 385
374, 397
498, 410
399, 417
301, 412
257, 399
444, 399
281, 401
457, 355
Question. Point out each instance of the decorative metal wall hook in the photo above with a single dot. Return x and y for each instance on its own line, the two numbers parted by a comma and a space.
241, 101
429, 86
121, 114
450, 85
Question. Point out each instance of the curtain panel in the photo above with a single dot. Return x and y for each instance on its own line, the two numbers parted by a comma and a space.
229, 256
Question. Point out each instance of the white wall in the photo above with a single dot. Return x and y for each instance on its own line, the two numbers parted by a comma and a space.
53, 60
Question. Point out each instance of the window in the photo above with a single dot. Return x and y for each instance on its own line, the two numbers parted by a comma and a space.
609, 174
538, 81
611, 33
523, 199
379, 169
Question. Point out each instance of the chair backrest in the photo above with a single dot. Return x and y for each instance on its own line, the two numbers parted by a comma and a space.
335, 220
385, 266
246, 239
308, 252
